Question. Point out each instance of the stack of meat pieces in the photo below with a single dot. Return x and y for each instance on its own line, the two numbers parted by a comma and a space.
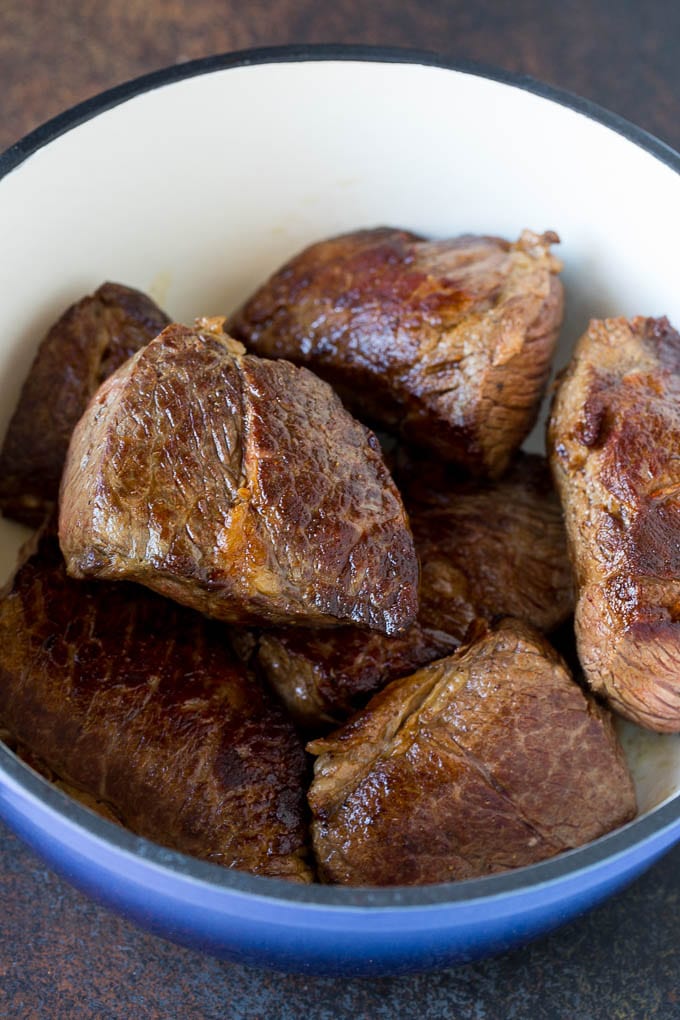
238, 570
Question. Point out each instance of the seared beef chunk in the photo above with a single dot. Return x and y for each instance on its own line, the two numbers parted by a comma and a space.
486, 549
238, 486
322, 677
490, 549
614, 439
137, 702
489, 759
86, 345
448, 342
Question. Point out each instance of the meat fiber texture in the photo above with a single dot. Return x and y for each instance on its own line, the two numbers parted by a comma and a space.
322, 677
490, 759
614, 442
136, 703
447, 342
489, 548
89, 342
238, 486
486, 549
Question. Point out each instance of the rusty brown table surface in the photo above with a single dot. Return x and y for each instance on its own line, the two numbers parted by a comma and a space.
63, 956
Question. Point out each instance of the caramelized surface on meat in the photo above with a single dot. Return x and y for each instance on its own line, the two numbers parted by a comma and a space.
83, 348
614, 438
490, 549
486, 549
238, 486
489, 759
448, 342
137, 703
322, 677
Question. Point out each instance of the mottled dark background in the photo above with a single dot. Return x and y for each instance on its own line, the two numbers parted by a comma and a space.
62, 956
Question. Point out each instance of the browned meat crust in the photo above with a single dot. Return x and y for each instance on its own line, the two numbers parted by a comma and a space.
486, 550
322, 677
83, 348
238, 486
614, 440
490, 759
137, 702
447, 341
490, 549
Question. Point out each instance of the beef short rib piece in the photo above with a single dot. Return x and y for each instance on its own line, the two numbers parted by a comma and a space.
86, 345
614, 440
238, 486
137, 702
486, 549
489, 759
447, 342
